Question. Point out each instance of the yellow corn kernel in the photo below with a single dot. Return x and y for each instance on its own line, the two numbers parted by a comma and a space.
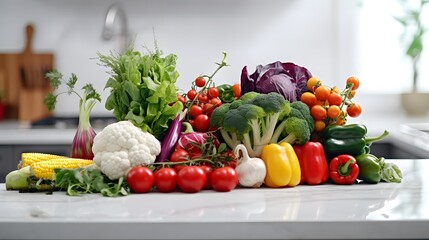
45, 169
27, 159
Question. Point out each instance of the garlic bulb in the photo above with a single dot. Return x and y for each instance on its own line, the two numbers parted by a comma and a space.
251, 171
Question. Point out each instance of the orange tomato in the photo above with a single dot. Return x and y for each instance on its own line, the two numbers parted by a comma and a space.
353, 80
354, 110
334, 111
318, 112
313, 83
322, 93
319, 125
308, 98
335, 99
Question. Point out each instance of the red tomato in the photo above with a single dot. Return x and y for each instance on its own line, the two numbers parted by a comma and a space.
181, 98
213, 92
216, 102
208, 170
208, 109
166, 179
202, 123
200, 82
192, 94
202, 98
195, 111
354, 110
191, 179
237, 90
140, 179
179, 155
224, 179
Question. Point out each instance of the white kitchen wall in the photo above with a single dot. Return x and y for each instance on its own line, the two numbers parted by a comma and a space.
251, 31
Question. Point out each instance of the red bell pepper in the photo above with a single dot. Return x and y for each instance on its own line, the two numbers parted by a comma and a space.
343, 169
312, 160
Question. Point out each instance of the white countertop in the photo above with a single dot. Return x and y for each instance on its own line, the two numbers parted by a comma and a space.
379, 211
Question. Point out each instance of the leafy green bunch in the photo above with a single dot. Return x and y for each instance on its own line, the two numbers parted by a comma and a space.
142, 89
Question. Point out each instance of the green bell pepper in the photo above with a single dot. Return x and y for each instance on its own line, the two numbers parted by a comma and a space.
226, 93
373, 169
348, 139
369, 168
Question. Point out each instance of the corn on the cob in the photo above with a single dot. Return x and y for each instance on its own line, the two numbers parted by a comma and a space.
27, 159
45, 169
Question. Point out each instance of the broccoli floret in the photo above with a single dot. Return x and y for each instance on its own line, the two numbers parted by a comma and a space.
304, 111
248, 96
216, 119
243, 120
276, 108
296, 131
235, 104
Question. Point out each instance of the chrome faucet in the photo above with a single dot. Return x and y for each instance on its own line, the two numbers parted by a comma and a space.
113, 12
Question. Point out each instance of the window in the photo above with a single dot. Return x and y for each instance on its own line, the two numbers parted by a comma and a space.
382, 64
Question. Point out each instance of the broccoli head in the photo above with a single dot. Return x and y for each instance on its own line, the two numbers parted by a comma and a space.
304, 113
248, 96
296, 131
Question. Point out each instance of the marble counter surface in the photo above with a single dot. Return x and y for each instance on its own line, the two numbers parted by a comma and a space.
379, 211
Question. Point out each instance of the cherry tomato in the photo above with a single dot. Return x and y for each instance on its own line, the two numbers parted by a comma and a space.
322, 93
354, 110
237, 90
203, 98
318, 112
200, 82
201, 123
192, 94
179, 155
335, 99
195, 111
166, 179
213, 92
208, 170
313, 83
224, 179
208, 109
191, 179
309, 99
140, 179
334, 111
319, 125
216, 102
353, 80
181, 98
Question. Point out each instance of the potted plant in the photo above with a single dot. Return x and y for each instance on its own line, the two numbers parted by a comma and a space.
414, 102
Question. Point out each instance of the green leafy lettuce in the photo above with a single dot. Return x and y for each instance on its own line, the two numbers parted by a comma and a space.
142, 89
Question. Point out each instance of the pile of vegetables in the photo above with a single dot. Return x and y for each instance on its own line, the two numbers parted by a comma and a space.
279, 128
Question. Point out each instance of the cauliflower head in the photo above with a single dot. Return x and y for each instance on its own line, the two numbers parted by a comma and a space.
121, 146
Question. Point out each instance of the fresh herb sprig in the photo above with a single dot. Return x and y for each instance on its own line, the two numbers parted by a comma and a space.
88, 100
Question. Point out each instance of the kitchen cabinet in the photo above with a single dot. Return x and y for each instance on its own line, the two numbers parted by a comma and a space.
10, 155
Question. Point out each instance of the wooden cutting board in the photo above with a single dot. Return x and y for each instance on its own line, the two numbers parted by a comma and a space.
23, 83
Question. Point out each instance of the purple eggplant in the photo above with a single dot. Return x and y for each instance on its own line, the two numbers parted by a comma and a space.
169, 141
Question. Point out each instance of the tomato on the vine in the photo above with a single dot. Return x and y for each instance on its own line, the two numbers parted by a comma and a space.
195, 111
354, 110
140, 179
181, 99
224, 179
216, 102
208, 108
203, 98
179, 155
201, 123
213, 92
335, 99
191, 179
237, 90
309, 98
200, 82
166, 179
353, 80
322, 92
192, 94
208, 170
318, 112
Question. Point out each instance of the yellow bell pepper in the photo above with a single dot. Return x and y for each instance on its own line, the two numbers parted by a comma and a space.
282, 165
294, 164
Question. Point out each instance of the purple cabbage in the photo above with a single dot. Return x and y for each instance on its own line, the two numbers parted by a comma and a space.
287, 79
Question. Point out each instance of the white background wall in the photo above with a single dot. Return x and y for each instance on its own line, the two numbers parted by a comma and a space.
321, 35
